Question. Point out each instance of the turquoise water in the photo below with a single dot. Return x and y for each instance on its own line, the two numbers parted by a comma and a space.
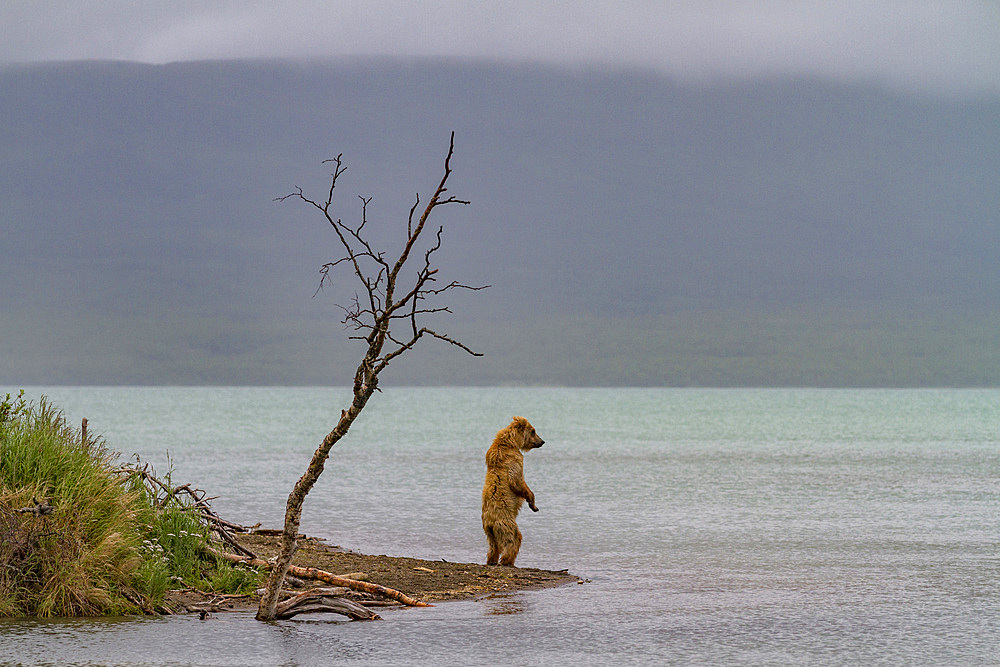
712, 526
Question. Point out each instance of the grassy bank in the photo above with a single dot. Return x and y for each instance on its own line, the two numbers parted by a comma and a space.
82, 535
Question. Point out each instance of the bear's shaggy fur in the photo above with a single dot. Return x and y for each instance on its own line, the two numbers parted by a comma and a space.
505, 491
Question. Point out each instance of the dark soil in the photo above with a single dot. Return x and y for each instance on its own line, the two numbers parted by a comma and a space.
425, 580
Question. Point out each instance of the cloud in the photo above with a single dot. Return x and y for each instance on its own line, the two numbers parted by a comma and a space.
935, 45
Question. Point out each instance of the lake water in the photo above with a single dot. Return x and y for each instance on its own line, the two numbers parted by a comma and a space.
737, 526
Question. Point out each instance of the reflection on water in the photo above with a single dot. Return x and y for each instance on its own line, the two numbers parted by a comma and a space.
499, 604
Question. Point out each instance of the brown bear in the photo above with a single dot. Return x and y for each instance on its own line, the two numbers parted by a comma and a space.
505, 491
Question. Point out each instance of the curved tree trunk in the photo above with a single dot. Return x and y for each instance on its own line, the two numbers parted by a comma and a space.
293, 508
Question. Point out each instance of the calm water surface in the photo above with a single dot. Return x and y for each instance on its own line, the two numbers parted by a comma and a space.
713, 526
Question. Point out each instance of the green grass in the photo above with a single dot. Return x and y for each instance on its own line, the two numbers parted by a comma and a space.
111, 544
173, 551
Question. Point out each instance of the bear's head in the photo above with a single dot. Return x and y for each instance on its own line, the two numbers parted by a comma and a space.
526, 437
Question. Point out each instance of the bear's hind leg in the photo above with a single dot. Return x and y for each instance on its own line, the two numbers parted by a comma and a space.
511, 549
494, 554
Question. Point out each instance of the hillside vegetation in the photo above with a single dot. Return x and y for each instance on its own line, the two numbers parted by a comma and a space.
634, 229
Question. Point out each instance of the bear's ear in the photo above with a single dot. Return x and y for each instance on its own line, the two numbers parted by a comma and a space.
520, 423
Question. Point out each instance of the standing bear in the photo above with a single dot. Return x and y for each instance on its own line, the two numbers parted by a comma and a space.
505, 491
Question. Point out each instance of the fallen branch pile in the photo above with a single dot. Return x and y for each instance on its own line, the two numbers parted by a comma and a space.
310, 601
199, 502
327, 577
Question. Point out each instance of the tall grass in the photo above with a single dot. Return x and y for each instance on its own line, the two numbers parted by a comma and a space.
106, 546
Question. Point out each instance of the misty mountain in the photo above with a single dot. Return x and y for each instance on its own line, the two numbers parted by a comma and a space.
634, 230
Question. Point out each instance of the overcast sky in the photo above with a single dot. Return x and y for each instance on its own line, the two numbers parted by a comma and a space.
928, 45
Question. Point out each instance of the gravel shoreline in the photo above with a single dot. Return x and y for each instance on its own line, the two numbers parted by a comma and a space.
426, 580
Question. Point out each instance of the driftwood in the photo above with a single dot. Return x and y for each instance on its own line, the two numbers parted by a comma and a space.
323, 600
327, 577
354, 584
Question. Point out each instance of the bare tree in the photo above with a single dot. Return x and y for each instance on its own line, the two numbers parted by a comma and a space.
388, 315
